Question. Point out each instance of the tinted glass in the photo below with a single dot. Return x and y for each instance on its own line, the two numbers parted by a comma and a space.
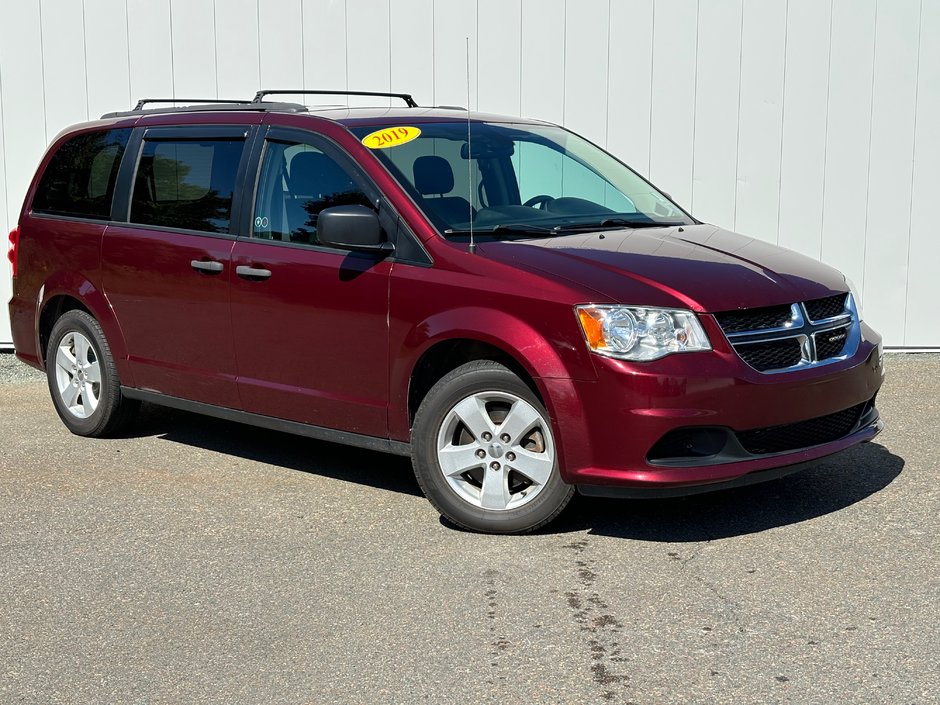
186, 184
297, 182
540, 177
79, 180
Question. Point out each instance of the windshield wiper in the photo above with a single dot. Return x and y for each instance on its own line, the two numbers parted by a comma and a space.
513, 228
523, 229
613, 222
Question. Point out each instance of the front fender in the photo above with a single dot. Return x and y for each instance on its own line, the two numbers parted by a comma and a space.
543, 358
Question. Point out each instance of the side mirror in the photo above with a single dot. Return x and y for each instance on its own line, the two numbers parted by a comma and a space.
351, 228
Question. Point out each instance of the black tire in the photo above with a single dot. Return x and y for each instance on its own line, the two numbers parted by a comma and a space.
113, 412
479, 377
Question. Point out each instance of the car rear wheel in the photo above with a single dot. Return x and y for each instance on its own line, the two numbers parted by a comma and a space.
484, 452
82, 378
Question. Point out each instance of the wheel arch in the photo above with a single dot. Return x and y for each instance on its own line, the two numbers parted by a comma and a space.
68, 292
449, 339
447, 355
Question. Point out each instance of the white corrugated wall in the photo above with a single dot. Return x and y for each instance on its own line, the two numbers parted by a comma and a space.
811, 123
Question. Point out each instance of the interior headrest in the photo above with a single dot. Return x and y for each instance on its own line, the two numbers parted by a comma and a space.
315, 174
433, 175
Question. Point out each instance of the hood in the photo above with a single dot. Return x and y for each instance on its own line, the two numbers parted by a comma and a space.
696, 266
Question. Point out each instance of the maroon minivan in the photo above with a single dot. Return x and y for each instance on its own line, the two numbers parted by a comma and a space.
496, 297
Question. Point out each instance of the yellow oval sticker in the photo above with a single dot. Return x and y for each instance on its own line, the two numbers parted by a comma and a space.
390, 137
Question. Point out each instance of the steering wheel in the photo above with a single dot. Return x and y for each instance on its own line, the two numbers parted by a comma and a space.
539, 201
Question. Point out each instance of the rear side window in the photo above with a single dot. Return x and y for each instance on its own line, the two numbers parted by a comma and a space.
186, 184
79, 180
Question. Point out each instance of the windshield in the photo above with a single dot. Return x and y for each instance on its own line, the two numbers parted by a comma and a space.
514, 179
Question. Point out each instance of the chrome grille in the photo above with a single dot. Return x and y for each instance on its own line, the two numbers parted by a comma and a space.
792, 336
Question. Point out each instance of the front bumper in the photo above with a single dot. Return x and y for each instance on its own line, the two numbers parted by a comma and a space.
608, 427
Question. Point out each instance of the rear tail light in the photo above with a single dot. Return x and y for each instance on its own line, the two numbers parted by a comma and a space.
14, 242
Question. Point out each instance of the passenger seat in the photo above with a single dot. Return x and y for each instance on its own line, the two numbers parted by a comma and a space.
434, 177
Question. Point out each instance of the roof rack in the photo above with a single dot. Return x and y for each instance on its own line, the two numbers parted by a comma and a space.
206, 106
189, 101
409, 101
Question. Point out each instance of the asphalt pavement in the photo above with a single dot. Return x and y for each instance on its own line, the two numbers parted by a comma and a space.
200, 561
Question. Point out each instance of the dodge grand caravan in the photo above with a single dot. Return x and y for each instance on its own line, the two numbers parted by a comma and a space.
496, 297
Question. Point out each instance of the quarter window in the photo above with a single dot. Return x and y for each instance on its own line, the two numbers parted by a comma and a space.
80, 178
187, 184
297, 182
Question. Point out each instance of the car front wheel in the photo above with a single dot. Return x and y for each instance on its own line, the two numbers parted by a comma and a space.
484, 452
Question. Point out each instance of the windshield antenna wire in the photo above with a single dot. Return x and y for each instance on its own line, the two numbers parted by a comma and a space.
473, 246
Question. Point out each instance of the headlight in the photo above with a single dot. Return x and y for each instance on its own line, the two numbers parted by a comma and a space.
640, 333
855, 296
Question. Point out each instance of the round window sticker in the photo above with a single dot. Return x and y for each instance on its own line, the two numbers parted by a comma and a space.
390, 137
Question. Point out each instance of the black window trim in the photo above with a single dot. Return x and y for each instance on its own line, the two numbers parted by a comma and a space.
43, 215
391, 219
39, 215
127, 175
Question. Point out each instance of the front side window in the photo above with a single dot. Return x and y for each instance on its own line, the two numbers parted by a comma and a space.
518, 179
79, 180
297, 182
186, 184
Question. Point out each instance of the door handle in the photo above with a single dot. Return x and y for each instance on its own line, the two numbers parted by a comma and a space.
207, 266
246, 272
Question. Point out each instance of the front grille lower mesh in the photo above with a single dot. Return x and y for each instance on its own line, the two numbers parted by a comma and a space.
754, 319
771, 354
803, 434
831, 306
830, 343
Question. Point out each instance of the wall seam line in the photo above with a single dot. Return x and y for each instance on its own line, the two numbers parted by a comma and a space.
85, 63
42, 73
303, 49
910, 222
783, 115
564, 75
607, 86
169, 7
871, 113
649, 137
698, 9
822, 212
737, 141
521, 42
388, 15
127, 37
215, 47
3, 151
476, 58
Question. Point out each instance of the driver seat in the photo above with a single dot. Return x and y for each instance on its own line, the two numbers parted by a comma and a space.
433, 177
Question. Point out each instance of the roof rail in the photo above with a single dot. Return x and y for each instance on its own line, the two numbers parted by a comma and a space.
220, 106
409, 101
189, 101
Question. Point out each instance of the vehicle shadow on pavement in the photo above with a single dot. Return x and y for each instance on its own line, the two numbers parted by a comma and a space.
380, 470
833, 485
